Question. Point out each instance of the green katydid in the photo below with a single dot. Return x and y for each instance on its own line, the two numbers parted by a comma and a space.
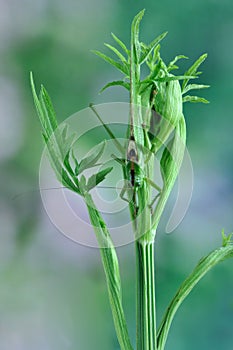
132, 169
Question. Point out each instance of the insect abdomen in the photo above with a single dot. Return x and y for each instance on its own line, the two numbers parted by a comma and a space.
135, 172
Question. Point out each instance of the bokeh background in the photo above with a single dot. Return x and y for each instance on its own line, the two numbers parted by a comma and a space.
52, 291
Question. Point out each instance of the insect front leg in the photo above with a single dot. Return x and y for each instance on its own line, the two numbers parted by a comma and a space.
154, 185
153, 201
129, 190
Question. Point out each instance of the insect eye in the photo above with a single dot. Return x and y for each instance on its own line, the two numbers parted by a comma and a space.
132, 153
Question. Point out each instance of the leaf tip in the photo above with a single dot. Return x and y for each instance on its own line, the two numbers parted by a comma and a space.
141, 13
31, 76
32, 83
226, 239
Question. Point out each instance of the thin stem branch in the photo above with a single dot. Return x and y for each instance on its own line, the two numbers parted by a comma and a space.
204, 265
112, 273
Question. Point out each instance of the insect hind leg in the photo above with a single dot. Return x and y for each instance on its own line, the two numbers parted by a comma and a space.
127, 188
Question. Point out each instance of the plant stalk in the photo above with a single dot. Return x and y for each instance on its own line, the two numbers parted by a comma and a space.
146, 308
112, 273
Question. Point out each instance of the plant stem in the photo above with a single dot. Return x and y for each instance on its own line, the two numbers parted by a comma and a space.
204, 265
112, 273
146, 310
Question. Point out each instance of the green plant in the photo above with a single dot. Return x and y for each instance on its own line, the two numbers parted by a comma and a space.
156, 124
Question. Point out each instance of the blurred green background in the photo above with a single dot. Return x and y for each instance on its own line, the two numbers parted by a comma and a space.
52, 291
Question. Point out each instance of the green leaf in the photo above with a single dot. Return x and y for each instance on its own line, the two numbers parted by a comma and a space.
172, 158
135, 44
170, 165
64, 131
93, 157
83, 184
76, 163
226, 239
152, 59
48, 106
69, 141
153, 75
119, 55
194, 87
205, 265
60, 169
151, 47
67, 163
45, 137
49, 126
45, 111
194, 99
121, 44
116, 83
58, 144
172, 65
95, 179
39, 108
63, 139
66, 143
48, 120
193, 69
174, 77
156, 53
145, 85
121, 67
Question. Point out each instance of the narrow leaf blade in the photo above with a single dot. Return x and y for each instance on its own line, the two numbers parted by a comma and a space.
90, 161
135, 44
76, 163
67, 163
119, 55
151, 47
194, 99
172, 65
116, 83
117, 65
120, 43
38, 107
194, 87
193, 69
174, 77
95, 179
49, 107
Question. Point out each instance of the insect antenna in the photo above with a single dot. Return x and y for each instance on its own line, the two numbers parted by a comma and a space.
18, 195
